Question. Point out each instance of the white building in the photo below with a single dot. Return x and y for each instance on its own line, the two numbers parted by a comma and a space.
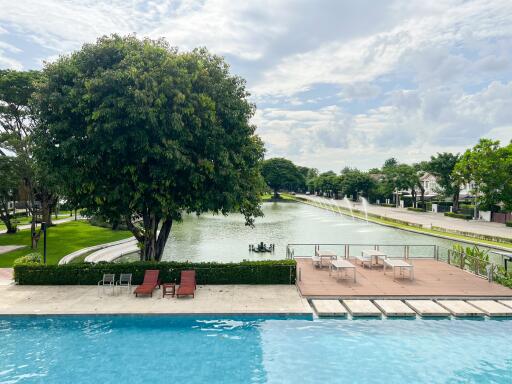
432, 188
430, 184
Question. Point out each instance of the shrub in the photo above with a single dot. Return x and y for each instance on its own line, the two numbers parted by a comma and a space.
388, 205
415, 209
246, 272
458, 215
508, 223
31, 258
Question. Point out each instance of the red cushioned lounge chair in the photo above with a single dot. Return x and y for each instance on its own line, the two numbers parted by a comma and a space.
187, 284
149, 284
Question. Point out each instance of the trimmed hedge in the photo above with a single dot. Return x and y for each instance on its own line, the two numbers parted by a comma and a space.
508, 223
246, 272
458, 215
416, 209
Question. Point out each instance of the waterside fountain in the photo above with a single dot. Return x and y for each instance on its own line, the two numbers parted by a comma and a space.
348, 206
365, 207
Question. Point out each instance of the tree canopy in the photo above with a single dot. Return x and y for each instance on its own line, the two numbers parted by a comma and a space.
137, 130
489, 167
281, 173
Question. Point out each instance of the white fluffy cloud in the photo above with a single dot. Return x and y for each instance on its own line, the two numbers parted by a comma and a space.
345, 83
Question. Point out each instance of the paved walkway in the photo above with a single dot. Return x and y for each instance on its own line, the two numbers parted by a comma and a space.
101, 249
6, 276
27, 226
431, 279
428, 219
214, 299
10, 248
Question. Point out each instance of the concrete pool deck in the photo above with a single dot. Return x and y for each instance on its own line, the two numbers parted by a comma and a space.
433, 279
211, 299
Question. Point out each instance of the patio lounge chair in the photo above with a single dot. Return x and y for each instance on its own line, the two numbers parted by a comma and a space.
108, 280
125, 281
187, 284
149, 284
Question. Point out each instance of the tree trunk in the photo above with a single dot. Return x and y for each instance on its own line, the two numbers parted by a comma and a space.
276, 194
163, 235
413, 195
33, 231
46, 208
153, 240
7, 218
456, 194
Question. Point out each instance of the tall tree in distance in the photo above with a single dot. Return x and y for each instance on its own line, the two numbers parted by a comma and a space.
442, 166
489, 167
138, 131
281, 173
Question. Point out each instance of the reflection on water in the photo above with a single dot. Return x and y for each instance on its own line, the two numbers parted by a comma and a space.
220, 238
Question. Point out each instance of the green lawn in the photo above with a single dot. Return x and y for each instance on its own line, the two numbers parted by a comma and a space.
62, 240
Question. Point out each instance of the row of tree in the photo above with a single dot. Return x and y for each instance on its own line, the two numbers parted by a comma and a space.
487, 166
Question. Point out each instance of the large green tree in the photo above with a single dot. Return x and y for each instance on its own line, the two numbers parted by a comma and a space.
138, 131
354, 182
489, 167
281, 173
400, 177
442, 166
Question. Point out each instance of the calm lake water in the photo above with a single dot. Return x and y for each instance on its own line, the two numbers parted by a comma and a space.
226, 238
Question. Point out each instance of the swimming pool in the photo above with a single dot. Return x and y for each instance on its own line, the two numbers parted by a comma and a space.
165, 349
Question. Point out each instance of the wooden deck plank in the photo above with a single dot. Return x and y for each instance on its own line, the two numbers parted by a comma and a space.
460, 308
427, 308
362, 308
329, 308
507, 303
432, 279
393, 308
491, 308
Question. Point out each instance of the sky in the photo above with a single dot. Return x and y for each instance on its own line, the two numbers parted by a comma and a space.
336, 83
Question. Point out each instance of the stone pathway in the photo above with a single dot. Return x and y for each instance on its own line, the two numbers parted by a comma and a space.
6, 276
9, 248
209, 299
27, 226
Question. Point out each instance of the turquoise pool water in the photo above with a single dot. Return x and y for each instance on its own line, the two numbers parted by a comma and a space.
161, 349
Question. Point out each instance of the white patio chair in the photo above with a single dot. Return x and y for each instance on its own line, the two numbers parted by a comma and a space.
125, 281
108, 280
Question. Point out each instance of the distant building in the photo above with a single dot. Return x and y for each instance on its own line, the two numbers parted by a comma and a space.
429, 183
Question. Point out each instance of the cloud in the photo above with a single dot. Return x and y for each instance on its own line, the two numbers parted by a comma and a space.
344, 83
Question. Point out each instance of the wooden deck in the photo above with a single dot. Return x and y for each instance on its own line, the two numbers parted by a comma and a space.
432, 279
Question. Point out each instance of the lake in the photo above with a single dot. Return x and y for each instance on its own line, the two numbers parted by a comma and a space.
226, 238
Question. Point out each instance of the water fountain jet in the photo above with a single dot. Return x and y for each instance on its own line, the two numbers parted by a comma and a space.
349, 206
365, 207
